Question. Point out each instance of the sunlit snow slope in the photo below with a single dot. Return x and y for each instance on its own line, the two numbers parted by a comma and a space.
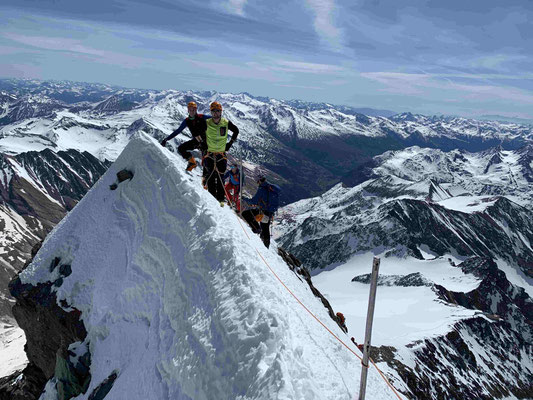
176, 297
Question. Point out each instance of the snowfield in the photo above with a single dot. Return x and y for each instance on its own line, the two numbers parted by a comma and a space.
403, 315
12, 353
176, 297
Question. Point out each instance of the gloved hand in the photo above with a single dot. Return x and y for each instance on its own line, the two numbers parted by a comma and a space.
164, 143
228, 145
203, 147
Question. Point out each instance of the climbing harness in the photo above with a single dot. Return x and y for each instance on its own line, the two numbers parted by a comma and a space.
213, 156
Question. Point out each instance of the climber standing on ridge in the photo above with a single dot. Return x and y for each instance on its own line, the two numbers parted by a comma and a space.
266, 199
197, 126
215, 161
233, 186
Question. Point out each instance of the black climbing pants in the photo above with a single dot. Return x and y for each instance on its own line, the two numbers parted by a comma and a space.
185, 148
263, 227
215, 166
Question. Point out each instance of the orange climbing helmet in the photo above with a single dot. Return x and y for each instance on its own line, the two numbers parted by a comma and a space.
215, 105
192, 104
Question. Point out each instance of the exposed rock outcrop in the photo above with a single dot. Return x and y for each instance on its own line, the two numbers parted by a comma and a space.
55, 336
414, 279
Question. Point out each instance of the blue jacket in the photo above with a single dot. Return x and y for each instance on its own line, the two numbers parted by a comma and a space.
233, 178
196, 125
260, 198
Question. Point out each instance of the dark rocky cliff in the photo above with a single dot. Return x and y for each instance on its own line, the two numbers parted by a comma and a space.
55, 344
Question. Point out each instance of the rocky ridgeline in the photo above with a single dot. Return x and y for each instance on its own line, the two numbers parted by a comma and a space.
50, 330
56, 346
415, 279
502, 230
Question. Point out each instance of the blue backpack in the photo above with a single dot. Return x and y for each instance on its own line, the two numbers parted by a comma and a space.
272, 197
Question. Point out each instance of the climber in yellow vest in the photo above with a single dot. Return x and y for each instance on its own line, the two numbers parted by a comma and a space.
216, 161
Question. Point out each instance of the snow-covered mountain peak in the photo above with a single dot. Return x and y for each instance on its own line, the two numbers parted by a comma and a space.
490, 172
407, 116
177, 298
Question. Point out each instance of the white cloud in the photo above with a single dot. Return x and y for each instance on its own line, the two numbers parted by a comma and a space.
53, 43
324, 21
236, 6
312, 68
496, 61
401, 83
301, 87
250, 70
416, 84
78, 49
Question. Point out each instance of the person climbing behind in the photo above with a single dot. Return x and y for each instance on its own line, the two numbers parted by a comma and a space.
197, 126
217, 145
233, 186
341, 321
266, 199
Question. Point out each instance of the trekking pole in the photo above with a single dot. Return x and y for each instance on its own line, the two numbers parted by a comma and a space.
368, 332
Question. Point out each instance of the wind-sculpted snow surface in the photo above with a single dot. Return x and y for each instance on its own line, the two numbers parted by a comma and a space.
175, 297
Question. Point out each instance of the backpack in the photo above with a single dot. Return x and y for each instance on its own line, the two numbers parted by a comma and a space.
272, 198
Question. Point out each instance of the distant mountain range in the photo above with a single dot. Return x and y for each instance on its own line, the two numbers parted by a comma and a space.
469, 198
311, 145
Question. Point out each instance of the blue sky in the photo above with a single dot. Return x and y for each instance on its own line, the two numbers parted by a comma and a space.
467, 57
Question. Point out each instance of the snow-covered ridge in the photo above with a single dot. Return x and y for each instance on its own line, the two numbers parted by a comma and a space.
171, 289
492, 172
422, 197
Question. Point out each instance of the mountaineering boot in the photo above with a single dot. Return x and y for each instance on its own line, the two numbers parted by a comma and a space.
221, 204
191, 164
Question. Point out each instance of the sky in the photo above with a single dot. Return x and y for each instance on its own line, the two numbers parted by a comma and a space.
453, 57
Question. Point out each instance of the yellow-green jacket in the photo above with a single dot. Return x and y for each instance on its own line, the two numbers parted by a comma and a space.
217, 135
